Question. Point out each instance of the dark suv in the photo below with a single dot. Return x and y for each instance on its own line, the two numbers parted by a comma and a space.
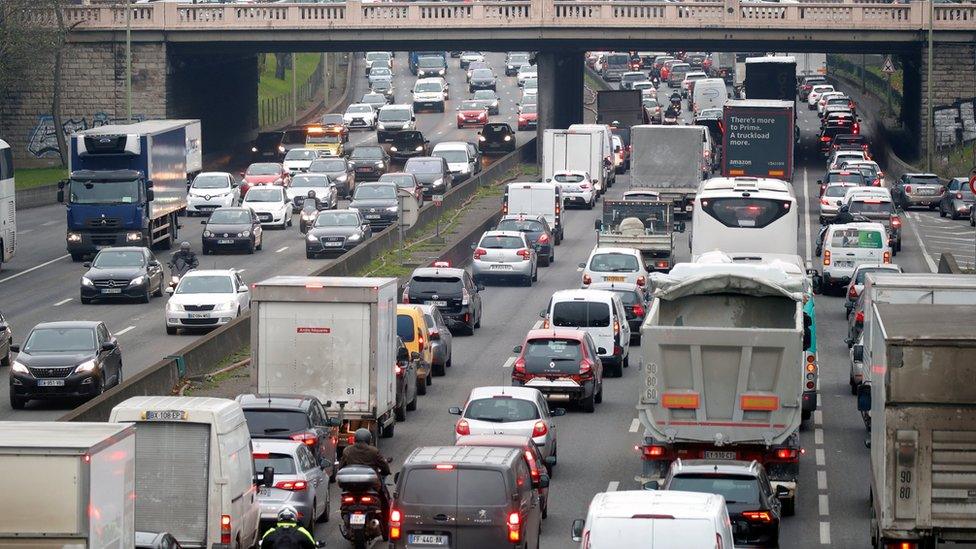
301, 418
369, 162
754, 507
452, 291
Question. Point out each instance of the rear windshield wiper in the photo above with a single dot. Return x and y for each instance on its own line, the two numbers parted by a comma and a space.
276, 430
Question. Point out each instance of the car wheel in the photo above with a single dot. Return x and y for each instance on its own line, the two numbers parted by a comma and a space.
448, 363
251, 247
438, 370
5, 361
598, 398
477, 323
387, 432
421, 387
972, 221
309, 255
954, 216
118, 377
17, 402
146, 296
159, 290
588, 405
789, 507
400, 412
171, 330
535, 275
412, 405
260, 244
545, 261
942, 212
86, 300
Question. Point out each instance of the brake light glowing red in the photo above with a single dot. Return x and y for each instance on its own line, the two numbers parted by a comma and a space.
462, 428
309, 439
395, 518
641, 281
886, 257
758, 516
639, 311
587, 279
786, 453
291, 485
525, 254
533, 466
852, 292
859, 317
826, 257
651, 452
444, 467
543, 239
478, 253
539, 429
895, 221
514, 528
225, 529
519, 366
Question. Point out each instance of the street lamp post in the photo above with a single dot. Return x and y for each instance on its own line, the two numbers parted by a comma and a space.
929, 122
128, 60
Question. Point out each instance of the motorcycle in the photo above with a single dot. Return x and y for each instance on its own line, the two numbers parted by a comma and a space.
310, 210
656, 82
177, 271
362, 506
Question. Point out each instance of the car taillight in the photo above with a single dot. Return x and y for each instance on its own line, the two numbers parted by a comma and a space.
859, 317
395, 518
856, 128
309, 439
543, 239
462, 427
958, 196
585, 186
465, 299
641, 281
616, 327
225, 529
406, 294
420, 343
825, 139
826, 257
895, 221
824, 202
514, 528
539, 429
639, 311
852, 293
519, 366
886, 257
908, 189
524, 253
587, 279
291, 485
479, 252
787, 453
348, 499
533, 466
757, 516
398, 369
652, 452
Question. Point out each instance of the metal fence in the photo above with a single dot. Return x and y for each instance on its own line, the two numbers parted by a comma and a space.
273, 111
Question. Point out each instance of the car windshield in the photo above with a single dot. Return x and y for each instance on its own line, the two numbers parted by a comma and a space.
925, 179
614, 263
377, 55
452, 157
263, 194
328, 165
531, 83
295, 136
852, 237
501, 410
211, 181
380, 71
307, 181
870, 207
381, 84
104, 192
482, 73
629, 297
367, 153
430, 62
863, 271
360, 108
60, 339
501, 242
522, 225
337, 219
206, 284
283, 464
405, 328
332, 119
394, 115
374, 192
322, 138
529, 108
264, 168
735, 489
836, 190
302, 154
851, 177
268, 139
109, 258
518, 58
427, 87
581, 314
471, 106
553, 355
485, 95
223, 216
423, 166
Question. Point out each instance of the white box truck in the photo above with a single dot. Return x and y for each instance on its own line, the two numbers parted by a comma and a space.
194, 475
670, 160
583, 150
722, 346
330, 337
922, 401
58, 476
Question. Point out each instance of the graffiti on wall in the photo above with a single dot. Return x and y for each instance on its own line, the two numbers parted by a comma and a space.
955, 124
43, 141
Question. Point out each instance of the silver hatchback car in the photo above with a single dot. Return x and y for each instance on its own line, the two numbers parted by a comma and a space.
299, 482
504, 255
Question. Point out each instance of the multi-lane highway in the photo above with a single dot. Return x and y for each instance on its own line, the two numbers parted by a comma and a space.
42, 283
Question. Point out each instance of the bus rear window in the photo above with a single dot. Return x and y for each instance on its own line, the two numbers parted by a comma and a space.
745, 213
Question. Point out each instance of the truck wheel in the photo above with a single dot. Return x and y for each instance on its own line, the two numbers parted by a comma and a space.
387, 432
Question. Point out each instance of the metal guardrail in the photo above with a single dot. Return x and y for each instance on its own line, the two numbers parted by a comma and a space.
355, 14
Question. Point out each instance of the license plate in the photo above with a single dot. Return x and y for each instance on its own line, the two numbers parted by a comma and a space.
362, 169
436, 303
372, 216
263, 492
719, 455
615, 278
225, 242
926, 192
500, 267
426, 539
50, 383
198, 315
333, 244
846, 264
112, 290
357, 519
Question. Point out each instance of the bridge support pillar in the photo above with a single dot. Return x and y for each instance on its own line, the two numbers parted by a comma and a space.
560, 90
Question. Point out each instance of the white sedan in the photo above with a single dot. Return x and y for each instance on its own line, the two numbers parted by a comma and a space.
270, 204
206, 299
360, 115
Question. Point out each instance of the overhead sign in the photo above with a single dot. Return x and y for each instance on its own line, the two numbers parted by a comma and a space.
888, 66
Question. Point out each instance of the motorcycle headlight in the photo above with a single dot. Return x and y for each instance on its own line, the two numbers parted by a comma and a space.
508, 138
85, 281
254, 149
281, 148
138, 281
308, 216
392, 209
19, 368
394, 149
419, 148
86, 366
380, 164
311, 238
207, 234
133, 236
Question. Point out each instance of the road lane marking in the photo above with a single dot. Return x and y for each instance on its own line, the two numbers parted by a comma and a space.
823, 505
49, 223
822, 481
36, 267
62, 302
806, 219
818, 417
825, 533
821, 459
281, 249
26, 231
818, 436
612, 486
921, 244
537, 325
509, 362
125, 330
634, 425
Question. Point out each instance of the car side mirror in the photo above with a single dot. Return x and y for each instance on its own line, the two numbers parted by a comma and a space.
61, 195
402, 354
578, 529
480, 287
542, 314
782, 492
597, 224
557, 412
150, 195
517, 349
86, 264
820, 182
333, 422
204, 222
864, 397
582, 265
241, 289
396, 477
454, 410
543, 481
857, 352
169, 290
651, 485
414, 355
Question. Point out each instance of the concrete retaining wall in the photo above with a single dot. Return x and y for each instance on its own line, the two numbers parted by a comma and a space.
44, 195
200, 356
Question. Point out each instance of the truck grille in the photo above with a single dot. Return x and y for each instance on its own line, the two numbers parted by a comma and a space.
198, 307
103, 223
104, 239
51, 372
953, 475
111, 283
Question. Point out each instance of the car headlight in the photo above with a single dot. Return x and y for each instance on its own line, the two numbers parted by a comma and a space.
394, 149
419, 148
74, 237
380, 127
380, 164
392, 209
173, 307
133, 236
508, 138
311, 238
354, 237
244, 233
207, 234
85, 281
254, 149
226, 306
438, 183
19, 368
85, 366
510, 67
441, 72
138, 281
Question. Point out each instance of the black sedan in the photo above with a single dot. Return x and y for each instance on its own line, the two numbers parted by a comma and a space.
338, 171
369, 162
336, 232
377, 203
268, 147
408, 144
496, 138
232, 229
482, 79
62, 360
122, 273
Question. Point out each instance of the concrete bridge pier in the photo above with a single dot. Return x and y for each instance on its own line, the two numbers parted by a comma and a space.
560, 90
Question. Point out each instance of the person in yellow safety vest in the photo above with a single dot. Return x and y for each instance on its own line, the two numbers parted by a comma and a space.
287, 533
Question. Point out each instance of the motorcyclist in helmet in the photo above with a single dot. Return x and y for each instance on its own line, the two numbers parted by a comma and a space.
311, 202
676, 99
362, 452
183, 260
287, 533
672, 112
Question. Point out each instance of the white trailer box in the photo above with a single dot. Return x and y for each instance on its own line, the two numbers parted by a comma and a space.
330, 337
68, 485
574, 150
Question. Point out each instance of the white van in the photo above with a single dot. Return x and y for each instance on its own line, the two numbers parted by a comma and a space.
709, 158
545, 199
607, 147
849, 245
194, 469
710, 93
646, 519
430, 93
600, 313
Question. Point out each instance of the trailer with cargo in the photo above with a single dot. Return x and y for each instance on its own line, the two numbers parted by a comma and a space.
670, 160
758, 139
330, 337
127, 184
644, 225
722, 350
68, 485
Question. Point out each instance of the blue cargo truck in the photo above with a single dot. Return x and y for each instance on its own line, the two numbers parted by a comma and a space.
127, 184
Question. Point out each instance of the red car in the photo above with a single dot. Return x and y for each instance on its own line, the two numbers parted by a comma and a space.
563, 364
264, 173
471, 113
528, 119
